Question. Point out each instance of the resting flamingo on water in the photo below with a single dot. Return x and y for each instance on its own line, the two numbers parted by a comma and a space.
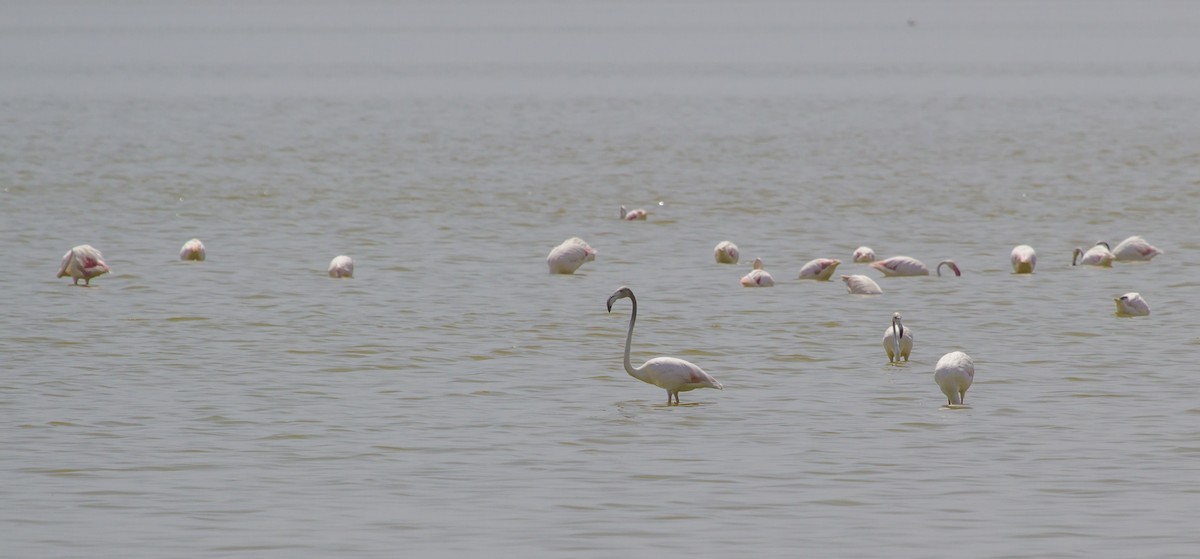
1023, 259
909, 266
192, 250
897, 340
820, 269
633, 215
569, 256
864, 254
1134, 248
758, 277
861, 285
83, 263
669, 373
726, 253
1098, 255
954, 373
1132, 304
341, 267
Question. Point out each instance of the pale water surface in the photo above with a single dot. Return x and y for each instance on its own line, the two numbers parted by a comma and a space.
454, 399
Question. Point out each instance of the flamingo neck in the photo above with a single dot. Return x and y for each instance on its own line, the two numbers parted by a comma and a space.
629, 368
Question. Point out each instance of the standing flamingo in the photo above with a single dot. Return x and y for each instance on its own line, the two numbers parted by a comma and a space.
669, 373
1132, 304
192, 250
864, 254
954, 373
83, 263
569, 256
1023, 259
897, 340
1134, 248
909, 266
726, 253
820, 269
341, 267
633, 215
1098, 255
758, 277
861, 285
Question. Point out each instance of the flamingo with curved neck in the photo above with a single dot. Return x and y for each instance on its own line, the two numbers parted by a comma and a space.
669, 373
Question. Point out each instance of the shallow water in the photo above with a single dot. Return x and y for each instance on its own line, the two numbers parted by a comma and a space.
455, 399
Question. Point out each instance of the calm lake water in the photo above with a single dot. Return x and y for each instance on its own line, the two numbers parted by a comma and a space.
456, 400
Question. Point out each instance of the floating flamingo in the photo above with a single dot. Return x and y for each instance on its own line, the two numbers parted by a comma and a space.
1132, 304
897, 340
726, 253
758, 277
1098, 255
1134, 248
83, 263
909, 266
954, 373
669, 373
341, 267
633, 215
192, 250
1023, 259
861, 285
820, 269
864, 254
569, 256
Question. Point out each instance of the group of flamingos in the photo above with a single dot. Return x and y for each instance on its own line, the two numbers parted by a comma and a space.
954, 372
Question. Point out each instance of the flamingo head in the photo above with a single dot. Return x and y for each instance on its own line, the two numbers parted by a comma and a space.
758, 263
621, 293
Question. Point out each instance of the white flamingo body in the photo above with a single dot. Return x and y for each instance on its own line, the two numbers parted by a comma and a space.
633, 215
861, 285
864, 254
1098, 255
569, 256
192, 250
820, 269
954, 373
83, 263
897, 340
1134, 248
909, 266
726, 253
669, 373
341, 267
1132, 304
758, 277
1024, 258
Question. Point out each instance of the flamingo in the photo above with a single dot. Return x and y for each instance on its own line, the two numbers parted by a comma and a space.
1134, 248
192, 250
897, 340
341, 267
864, 254
954, 374
820, 269
1024, 258
1098, 255
1132, 304
758, 277
909, 266
861, 285
569, 256
726, 253
83, 263
633, 215
669, 373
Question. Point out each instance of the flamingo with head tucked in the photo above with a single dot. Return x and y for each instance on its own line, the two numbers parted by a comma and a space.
192, 250
726, 253
83, 263
341, 267
1134, 248
864, 254
669, 373
1132, 304
820, 269
1023, 259
1098, 255
758, 277
954, 373
909, 266
569, 256
861, 285
897, 340
633, 215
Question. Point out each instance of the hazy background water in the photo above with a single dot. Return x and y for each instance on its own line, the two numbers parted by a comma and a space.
456, 400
